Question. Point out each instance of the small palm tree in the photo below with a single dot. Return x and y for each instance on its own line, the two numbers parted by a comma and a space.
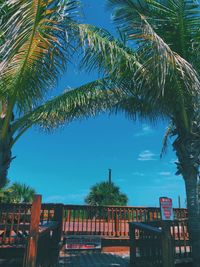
5, 193
21, 193
16, 193
106, 193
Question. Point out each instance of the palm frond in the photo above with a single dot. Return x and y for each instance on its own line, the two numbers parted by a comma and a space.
177, 22
141, 20
34, 52
116, 60
168, 61
83, 102
103, 52
173, 76
169, 132
135, 107
180, 25
164, 74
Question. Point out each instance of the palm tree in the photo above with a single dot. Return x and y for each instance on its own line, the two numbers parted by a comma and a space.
21, 193
37, 40
155, 63
105, 193
16, 193
5, 193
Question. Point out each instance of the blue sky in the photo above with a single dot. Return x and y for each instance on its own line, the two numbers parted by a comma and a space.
63, 166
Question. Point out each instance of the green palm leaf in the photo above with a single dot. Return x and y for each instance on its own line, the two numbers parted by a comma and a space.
85, 101
38, 51
102, 52
130, 68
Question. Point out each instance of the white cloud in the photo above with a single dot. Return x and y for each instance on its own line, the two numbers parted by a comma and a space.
165, 173
146, 130
146, 155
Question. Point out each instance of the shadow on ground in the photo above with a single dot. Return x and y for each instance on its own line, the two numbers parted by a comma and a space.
11, 263
93, 260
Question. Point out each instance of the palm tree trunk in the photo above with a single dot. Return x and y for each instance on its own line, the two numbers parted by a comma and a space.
188, 151
191, 185
5, 155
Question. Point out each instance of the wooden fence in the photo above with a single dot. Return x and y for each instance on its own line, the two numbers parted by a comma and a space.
33, 232
109, 221
161, 246
30, 233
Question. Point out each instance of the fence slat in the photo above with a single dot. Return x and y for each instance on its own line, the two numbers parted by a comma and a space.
31, 255
167, 246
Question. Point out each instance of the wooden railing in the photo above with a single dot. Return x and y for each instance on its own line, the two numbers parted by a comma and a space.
109, 221
33, 232
161, 246
145, 245
30, 233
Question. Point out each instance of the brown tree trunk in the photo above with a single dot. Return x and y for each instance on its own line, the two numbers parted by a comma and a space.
191, 185
5, 155
187, 148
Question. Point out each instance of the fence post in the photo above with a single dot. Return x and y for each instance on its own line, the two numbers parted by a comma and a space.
31, 252
116, 224
167, 246
57, 233
132, 245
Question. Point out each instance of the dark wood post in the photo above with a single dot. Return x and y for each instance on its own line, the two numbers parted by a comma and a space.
167, 245
57, 233
31, 252
116, 223
132, 245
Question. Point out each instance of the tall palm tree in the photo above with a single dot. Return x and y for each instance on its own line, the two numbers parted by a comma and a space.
155, 63
37, 40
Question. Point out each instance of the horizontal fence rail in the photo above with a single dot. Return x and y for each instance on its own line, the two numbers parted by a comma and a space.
109, 220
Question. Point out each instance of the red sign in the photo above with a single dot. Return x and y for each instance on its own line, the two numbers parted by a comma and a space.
166, 208
79, 242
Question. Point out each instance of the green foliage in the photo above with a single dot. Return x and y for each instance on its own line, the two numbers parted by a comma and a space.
172, 88
33, 55
105, 193
165, 38
21, 193
156, 66
5, 193
16, 193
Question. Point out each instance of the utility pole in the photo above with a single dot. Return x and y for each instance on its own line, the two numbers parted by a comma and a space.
110, 176
179, 202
